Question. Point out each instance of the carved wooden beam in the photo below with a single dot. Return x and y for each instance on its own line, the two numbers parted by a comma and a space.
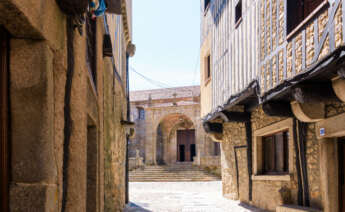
338, 84
216, 137
213, 127
277, 108
234, 116
308, 112
314, 93
341, 73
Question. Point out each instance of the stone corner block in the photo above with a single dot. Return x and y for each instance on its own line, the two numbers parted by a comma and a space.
33, 197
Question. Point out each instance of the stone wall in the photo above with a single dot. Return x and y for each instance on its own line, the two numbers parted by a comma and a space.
170, 114
269, 193
50, 170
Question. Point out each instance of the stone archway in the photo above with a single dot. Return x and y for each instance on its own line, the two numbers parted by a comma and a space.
166, 151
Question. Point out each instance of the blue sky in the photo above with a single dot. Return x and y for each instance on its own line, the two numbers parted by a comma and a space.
167, 38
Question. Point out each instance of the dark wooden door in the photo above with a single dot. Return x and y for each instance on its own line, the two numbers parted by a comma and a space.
185, 138
4, 117
341, 175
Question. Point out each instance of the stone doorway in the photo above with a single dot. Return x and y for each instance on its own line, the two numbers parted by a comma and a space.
4, 119
186, 145
341, 148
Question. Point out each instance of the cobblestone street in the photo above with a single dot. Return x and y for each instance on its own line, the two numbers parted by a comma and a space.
181, 197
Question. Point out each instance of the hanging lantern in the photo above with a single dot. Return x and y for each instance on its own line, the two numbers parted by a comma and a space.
73, 7
113, 6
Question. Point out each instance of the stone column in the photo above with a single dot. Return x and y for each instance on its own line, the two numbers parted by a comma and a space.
149, 142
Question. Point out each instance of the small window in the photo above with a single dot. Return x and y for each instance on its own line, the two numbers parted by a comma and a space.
238, 12
207, 67
141, 114
298, 10
207, 3
275, 153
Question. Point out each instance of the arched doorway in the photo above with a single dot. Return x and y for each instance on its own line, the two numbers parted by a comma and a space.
175, 139
186, 149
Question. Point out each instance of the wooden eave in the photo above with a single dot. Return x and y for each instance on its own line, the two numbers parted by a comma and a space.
322, 71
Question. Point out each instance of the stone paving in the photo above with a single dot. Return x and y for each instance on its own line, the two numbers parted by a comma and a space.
181, 197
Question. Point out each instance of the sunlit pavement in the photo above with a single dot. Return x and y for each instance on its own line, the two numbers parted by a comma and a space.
181, 197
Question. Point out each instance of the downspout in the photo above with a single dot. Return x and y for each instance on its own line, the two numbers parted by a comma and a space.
249, 138
127, 136
67, 110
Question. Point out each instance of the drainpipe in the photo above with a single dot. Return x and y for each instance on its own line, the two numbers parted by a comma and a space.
127, 136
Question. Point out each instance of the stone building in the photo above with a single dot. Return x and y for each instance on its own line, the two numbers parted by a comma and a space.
169, 129
63, 105
272, 92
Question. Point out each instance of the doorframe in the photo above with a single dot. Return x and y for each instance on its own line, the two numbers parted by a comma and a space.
4, 119
186, 145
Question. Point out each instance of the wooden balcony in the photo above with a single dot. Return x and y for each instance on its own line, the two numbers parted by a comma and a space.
284, 56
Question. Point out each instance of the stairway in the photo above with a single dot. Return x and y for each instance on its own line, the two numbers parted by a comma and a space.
180, 172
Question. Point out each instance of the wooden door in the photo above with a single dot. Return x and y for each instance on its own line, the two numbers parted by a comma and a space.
185, 138
341, 149
4, 117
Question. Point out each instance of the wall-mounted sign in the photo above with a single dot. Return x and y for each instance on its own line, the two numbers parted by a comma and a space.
322, 131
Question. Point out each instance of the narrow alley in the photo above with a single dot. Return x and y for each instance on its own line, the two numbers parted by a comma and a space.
172, 106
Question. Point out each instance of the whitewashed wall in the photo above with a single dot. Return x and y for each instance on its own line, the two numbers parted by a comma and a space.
234, 50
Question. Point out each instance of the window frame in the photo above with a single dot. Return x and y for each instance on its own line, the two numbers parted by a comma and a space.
290, 33
238, 19
207, 68
274, 153
258, 172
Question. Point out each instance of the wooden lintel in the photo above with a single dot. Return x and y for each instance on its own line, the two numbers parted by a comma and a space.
339, 88
314, 93
277, 108
236, 116
308, 112
213, 127
331, 127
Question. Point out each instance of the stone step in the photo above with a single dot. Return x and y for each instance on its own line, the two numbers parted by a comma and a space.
173, 173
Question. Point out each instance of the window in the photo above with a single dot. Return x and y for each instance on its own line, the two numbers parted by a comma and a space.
207, 3
298, 10
141, 114
207, 68
238, 12
275, 153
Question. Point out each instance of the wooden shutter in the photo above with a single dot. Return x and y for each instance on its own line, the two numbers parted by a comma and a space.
4, 117
269, 152
279, 152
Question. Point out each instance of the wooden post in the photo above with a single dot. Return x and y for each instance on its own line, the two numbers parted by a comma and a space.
4, 143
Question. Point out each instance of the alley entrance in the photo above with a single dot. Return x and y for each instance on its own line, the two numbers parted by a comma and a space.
186, 149
4, 116
341, 148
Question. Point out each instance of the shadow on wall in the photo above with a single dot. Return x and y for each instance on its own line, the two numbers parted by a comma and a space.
250, 208
131, 207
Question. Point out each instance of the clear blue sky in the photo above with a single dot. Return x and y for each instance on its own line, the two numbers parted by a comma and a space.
167, 36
